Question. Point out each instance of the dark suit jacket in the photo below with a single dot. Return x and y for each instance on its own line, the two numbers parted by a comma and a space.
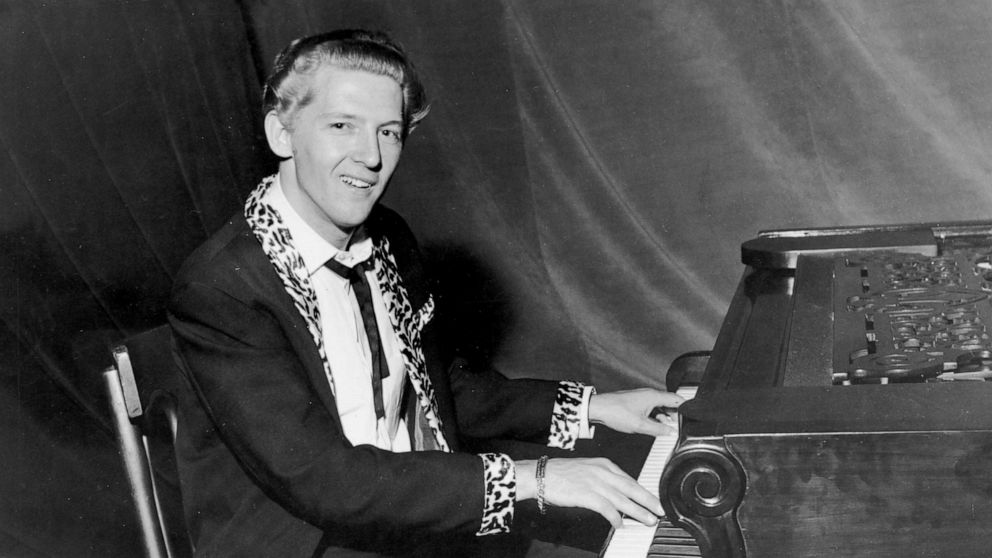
264, 465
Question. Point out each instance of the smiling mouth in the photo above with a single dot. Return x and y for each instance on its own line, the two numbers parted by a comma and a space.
357, 183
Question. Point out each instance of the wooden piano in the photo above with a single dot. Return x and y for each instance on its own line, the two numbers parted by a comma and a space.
844, 410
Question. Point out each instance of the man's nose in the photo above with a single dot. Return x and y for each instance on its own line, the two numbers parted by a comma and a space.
366, 150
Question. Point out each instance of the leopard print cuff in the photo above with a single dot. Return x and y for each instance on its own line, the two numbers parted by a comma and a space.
565, 420
500, 478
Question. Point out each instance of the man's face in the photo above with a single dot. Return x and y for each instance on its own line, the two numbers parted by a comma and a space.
345, 145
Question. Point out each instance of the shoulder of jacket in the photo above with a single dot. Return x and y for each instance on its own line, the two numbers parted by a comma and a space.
224, 253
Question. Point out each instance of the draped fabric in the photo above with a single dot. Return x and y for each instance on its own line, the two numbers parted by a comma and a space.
581, 186
127, 135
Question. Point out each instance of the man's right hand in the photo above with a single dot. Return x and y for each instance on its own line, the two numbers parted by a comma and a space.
595, 484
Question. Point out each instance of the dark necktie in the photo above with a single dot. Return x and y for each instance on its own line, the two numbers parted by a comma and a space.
363, 293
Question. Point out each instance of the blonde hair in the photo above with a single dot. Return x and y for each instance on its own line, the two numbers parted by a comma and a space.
289, 86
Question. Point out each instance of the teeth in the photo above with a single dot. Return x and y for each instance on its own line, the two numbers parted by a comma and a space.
352, 181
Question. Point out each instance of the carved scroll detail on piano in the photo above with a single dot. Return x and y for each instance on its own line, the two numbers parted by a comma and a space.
701, 489
920, 318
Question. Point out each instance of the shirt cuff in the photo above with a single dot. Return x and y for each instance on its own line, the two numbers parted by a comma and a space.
566, 415
586, 430
500, 477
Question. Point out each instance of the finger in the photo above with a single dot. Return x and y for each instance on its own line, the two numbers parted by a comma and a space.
667, 399
637, 494
660, 426
670, 429
666, 404
622, 488
606, 508
633, 510
671, 422
635, 502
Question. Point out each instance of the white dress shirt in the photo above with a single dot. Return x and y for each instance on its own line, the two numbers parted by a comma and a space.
345, 342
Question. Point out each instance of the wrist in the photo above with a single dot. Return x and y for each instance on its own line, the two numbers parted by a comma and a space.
526, 479
595, 412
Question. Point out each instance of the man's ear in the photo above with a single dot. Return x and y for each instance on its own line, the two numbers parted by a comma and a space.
278, 136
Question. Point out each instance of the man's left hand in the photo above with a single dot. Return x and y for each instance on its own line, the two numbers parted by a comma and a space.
631, 411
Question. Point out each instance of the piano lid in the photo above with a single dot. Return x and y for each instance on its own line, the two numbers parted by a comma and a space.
782, 248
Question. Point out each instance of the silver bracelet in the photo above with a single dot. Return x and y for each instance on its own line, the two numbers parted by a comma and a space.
542, 506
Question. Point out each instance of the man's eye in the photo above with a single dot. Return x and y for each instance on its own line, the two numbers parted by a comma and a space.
338, 125
391, 135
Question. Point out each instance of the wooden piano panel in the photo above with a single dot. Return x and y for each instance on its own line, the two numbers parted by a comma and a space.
884, 495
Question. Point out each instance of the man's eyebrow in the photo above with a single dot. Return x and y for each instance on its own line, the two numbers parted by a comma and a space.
348, 116
343, 115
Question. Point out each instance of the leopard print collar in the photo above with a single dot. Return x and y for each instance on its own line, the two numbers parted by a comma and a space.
277, 243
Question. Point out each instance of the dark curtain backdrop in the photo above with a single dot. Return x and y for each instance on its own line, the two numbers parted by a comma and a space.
581, 187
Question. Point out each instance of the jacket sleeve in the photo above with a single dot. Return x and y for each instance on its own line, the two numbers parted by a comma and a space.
256, 391
489, 405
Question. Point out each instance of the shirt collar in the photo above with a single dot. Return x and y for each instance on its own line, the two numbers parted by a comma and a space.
312, 247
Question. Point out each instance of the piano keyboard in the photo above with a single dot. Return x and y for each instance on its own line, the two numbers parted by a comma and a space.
636, 540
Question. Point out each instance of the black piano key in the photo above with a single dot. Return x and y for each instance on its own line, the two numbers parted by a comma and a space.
670, 531
673, 551
672, 542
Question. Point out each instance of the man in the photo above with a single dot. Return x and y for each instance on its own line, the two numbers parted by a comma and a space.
324, 417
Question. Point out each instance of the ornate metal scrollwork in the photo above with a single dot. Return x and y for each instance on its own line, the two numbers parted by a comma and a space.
702, 488
923, 318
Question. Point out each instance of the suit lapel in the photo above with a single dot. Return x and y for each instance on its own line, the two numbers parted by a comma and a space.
408, 324
277, 243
